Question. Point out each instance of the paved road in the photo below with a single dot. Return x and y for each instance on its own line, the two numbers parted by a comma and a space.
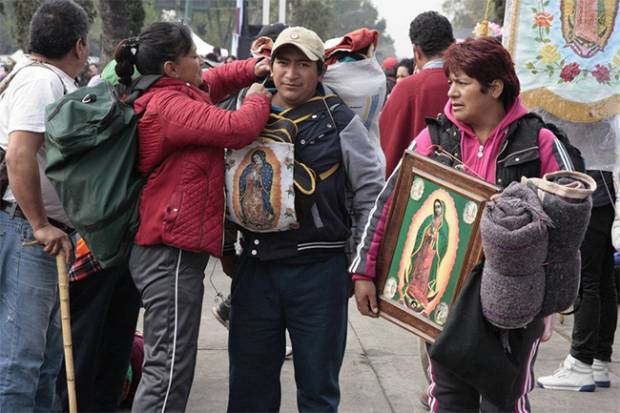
381, 371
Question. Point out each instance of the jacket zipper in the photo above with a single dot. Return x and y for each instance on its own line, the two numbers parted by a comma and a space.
501, 151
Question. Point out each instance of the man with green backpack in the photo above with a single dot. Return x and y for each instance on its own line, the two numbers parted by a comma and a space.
30, 340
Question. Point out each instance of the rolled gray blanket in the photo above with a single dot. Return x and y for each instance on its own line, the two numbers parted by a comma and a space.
567, 198
514, 235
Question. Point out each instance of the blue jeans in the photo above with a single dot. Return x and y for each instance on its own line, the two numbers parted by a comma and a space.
310, 301
30, 335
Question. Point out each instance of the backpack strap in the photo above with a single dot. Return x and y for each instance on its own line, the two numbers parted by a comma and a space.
531, 123
5, 83
286, 124
446, 137
569, 153
279, 129
139, 86
136, 89
302, 113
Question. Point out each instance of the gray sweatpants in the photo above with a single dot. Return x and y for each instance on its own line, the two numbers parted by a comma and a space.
170, 283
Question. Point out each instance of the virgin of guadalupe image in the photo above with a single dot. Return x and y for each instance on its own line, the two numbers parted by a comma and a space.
587, 25
255, 192
431, 244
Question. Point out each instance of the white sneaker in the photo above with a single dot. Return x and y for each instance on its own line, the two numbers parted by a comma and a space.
572, 375
600, 373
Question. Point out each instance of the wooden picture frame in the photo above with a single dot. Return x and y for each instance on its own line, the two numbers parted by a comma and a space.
431, 243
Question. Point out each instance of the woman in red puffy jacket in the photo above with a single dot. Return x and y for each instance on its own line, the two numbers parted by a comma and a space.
182, 137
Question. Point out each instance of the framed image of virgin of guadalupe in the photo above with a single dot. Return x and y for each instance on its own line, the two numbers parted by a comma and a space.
431, 243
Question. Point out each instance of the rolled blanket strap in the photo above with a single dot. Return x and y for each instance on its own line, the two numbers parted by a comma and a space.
566, 197
566, 184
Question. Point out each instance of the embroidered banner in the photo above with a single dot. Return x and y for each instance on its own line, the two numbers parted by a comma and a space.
567, 56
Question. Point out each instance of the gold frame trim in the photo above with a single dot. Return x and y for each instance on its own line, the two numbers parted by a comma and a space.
569, 110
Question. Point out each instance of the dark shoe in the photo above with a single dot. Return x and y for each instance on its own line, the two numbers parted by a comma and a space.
221, 311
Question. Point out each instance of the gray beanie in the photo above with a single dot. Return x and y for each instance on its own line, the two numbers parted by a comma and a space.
514, 235
566, 197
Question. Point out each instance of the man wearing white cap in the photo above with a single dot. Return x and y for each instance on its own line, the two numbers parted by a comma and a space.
297, 280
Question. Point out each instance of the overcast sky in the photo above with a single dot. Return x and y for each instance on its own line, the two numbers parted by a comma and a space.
398, 14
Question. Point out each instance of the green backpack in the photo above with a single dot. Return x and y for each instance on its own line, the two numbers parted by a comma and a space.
92, 161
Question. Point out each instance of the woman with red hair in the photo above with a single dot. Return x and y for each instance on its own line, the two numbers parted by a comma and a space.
487, 132
485, 110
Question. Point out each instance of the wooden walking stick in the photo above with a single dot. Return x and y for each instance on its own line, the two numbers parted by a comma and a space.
65, 317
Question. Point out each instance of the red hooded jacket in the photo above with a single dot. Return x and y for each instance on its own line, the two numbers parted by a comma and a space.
183, 135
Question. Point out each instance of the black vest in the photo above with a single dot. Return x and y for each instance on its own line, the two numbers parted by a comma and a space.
519, 155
